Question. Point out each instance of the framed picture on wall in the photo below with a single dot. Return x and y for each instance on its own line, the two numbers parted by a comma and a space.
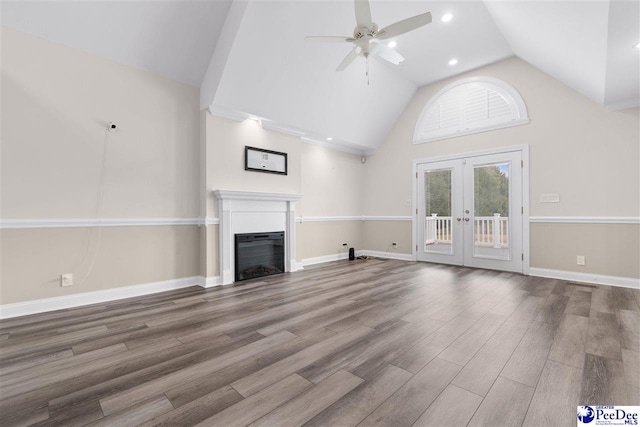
259, 160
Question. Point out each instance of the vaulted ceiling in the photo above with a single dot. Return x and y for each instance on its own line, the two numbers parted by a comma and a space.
250, 58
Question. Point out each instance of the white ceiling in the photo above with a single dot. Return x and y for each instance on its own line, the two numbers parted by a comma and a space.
280, 77
587, 45
622, 87
255, 62
471, 37
172, 38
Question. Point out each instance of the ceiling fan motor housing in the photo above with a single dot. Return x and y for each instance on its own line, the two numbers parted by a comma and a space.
360, 32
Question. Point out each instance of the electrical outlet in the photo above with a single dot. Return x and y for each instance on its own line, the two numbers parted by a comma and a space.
66, 279
394, 244
580, 260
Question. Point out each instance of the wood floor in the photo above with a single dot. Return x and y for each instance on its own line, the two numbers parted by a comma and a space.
375, 342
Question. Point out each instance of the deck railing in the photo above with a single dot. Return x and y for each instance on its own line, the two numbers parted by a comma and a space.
488, 230
437, 229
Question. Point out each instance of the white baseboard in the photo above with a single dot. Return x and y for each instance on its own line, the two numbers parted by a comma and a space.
325, 258
297, 266
340, 256
599, 279
388, 255
208, 282
69, 301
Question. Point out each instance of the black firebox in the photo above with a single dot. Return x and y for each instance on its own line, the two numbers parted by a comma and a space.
259, 254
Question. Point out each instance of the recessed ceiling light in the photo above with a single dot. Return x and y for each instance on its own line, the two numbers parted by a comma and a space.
454, 61
447, 17
329, 139
392, 43
637, 46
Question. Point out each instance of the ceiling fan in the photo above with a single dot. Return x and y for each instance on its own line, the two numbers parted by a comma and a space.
367, 37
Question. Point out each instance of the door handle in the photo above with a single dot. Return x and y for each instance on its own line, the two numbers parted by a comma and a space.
459, 219
466, 219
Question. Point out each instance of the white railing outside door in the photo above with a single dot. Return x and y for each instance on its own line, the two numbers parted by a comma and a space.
489, 230
437, 229
492, 231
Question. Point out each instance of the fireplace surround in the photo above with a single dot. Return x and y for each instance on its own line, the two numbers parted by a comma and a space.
242, 212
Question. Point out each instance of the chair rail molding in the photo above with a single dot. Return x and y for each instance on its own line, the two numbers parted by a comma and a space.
303, 219
8, 224
585, 219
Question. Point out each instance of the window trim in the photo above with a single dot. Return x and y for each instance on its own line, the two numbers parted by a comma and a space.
507, 90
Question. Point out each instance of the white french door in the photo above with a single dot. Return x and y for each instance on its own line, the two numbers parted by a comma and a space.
470, 211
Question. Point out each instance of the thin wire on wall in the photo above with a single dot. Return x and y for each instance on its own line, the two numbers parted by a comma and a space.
98, 213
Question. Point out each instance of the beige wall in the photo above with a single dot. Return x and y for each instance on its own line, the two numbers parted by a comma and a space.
318, 239
56, 104
609, 249
212, 261
226, 140
33, 259
380, 235
332, 182
577, 148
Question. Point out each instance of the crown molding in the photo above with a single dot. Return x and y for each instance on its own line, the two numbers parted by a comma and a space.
256, 196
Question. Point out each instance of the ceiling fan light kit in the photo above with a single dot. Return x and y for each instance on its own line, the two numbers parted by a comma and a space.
367, 36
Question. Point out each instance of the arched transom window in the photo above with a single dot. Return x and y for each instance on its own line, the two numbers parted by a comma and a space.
467, 106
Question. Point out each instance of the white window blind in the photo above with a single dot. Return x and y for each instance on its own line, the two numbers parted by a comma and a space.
470, 106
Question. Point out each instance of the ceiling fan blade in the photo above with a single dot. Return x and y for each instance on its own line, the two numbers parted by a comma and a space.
404, 26
351, 56
329, 39
388, 54
363, 13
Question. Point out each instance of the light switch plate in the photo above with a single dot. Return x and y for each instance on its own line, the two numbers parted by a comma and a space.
550, 198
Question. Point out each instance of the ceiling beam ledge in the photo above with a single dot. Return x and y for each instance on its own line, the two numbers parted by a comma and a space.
215, 70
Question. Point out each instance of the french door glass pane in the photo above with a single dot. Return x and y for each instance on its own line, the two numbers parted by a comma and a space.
438, 231
491, 211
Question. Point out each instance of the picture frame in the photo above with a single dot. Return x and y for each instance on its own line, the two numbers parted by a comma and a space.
261, 160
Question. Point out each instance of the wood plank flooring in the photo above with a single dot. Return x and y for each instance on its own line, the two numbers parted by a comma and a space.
377, 342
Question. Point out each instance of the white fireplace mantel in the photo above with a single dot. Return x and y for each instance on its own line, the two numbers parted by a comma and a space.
254, 212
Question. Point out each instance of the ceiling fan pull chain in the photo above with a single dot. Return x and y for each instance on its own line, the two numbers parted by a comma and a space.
367, 58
